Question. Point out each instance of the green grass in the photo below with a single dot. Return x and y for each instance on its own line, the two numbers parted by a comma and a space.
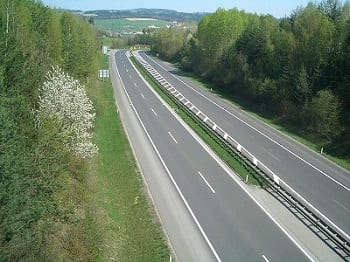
125, 25
311, 141
130, 232
108, 41
230, 158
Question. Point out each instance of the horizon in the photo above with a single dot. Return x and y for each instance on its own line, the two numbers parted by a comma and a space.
140, 8
275, 8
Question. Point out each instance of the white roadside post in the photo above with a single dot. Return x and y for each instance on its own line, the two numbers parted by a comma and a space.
104, 49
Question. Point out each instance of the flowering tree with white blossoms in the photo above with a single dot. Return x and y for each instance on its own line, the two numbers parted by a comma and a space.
64, 100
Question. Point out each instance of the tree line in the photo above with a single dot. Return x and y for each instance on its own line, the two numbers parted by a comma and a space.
35, 166
296, 67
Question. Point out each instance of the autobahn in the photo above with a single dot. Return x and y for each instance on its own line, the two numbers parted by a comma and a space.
234, 226
323, 184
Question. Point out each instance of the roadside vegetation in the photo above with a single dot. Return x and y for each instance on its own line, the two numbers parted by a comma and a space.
293, 71
69, 187
41, 180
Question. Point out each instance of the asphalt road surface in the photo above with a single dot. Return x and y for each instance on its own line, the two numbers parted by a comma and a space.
233, 225
323, 184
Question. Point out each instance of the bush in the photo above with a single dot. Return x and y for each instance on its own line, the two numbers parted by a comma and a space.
323, 114
63, 100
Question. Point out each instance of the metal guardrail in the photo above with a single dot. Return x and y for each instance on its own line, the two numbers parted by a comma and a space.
326, 229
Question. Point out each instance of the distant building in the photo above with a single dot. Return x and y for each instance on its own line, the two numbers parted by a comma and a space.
153, 27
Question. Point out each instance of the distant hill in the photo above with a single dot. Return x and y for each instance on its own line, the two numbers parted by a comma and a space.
160, 14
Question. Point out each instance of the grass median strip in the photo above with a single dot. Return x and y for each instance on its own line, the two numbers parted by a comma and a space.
129, 228
247, 173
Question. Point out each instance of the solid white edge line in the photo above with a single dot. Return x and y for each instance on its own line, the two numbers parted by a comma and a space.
235, 178
342, 206
170, 175
210, 187
172, 137
255, 129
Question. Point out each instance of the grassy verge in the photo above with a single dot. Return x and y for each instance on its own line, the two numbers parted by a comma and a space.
129, 230
230, 158
312, 142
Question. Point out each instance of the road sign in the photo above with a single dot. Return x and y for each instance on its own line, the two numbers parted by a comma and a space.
103, 73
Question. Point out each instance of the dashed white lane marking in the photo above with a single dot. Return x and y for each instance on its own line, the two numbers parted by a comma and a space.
172, 137
342, 206
130, 76
272, 155
210, 187
154, 112
142, 96
135, 84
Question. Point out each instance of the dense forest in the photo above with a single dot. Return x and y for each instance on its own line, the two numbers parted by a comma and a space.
34, 161
296, 68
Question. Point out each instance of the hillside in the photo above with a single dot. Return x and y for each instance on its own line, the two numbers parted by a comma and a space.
160, 14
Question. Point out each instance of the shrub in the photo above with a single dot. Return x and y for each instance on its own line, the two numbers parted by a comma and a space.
63, 100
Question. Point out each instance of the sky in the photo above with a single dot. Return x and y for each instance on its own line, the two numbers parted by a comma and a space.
277, 8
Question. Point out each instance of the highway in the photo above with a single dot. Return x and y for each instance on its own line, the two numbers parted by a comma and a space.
231, 222
323, 184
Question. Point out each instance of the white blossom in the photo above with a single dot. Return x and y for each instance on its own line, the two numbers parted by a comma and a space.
64, 99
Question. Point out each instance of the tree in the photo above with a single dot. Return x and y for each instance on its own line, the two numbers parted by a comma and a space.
54, 35
314, 34
332, 9
323, 114
63, 100
302, 89
216, 34
79, 46
168, 42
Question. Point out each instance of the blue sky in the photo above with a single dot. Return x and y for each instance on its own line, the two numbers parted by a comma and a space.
277, 8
